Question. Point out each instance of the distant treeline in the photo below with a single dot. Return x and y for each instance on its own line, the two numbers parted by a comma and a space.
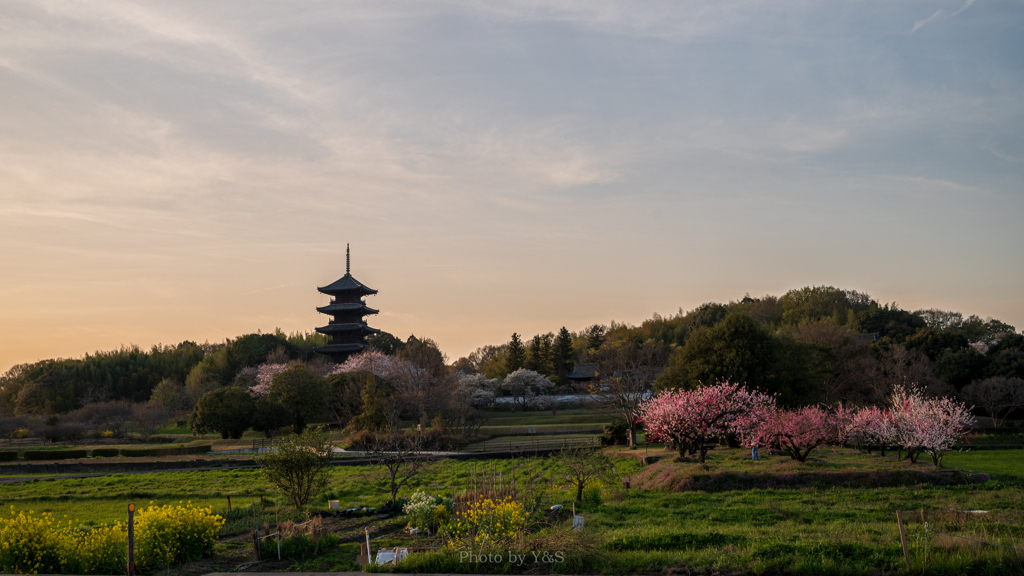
131, 373
814, 344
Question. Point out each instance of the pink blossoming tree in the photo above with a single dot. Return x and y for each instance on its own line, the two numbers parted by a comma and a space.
688, 418
874, 426
796, 432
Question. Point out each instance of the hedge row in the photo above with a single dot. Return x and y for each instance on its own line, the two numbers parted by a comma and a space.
54, 454
137, 452
8, 456
105, 452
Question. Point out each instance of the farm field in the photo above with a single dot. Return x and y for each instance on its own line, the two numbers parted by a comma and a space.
830, 519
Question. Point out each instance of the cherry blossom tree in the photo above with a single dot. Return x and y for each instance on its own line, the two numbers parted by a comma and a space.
689, 418
526, 384
264, 376
796, 432
380, 365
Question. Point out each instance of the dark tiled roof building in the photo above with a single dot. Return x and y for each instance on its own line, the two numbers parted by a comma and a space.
584, 372
347, 329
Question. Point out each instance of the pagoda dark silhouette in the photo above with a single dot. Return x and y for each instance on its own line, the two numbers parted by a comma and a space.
347, 329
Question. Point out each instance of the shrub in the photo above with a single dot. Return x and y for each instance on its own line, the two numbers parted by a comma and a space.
105, 452
227, 410
168, 535
29, 544
8, 456
488, 524
102, 550
63, 432
298, 467
427, 512
54, 454
617, 432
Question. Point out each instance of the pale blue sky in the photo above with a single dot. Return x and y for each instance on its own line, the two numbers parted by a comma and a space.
173, 170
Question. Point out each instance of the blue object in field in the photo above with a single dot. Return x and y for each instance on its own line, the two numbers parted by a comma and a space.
753, 452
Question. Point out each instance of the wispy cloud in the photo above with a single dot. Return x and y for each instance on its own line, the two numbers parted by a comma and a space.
941, 14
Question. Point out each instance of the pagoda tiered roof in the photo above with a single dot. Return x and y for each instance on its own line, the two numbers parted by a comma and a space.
347, 285
347, 329
341, 348
341, 307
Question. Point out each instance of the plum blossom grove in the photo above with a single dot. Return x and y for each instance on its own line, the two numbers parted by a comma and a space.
914, 422
688, 418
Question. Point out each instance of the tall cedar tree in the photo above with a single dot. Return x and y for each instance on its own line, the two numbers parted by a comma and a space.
562, 354
516, 354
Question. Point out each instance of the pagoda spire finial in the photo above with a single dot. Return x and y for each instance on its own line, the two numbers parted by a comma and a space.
348, 260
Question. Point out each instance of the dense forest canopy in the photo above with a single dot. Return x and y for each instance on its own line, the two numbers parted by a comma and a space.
814, 344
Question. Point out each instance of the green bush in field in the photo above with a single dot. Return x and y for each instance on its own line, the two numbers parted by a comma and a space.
105, 452
298, 465
8, 456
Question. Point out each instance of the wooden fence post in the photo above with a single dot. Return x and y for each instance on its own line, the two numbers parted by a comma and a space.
903, 537
229, 501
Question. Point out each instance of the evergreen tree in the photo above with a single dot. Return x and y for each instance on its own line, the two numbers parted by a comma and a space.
595, 337
562, 354
535, 356
516, 354
547, 363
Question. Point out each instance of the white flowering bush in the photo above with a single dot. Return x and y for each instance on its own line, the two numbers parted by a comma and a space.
427, 512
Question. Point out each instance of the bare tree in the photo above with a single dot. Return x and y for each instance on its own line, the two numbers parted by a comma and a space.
472, 392
149, 417
583, 464
113, 416
998, 396
11, 426
908, 368
628, 370
400, 457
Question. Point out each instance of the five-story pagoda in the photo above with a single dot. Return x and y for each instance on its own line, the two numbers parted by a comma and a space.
347, 330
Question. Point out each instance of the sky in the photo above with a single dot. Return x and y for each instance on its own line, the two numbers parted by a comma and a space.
177, 171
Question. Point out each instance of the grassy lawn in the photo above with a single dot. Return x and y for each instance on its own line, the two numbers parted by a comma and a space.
1006, 462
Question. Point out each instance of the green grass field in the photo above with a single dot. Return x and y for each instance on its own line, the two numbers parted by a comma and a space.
803, 529
1005, 462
